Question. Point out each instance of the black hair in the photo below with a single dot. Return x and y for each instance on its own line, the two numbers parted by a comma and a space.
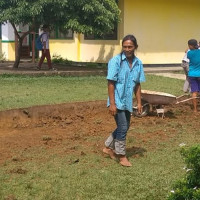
132, 38
45, 26
134, 41
193, 43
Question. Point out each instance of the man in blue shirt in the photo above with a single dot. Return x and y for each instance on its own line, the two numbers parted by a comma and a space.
125, 73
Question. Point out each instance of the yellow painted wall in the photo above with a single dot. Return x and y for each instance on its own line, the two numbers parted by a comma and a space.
102, 50
8, 48
65, 48
162, 27
98, 50
85, 50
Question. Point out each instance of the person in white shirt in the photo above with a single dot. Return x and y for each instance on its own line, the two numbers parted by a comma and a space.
185, 66
45, 48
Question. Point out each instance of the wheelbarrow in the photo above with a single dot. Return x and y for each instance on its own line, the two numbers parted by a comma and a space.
152, 99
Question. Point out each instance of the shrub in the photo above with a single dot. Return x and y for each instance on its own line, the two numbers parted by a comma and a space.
59, 60
2, 57
188, 188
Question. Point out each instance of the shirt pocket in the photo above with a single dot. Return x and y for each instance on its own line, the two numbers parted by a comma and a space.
136, 76
121, 76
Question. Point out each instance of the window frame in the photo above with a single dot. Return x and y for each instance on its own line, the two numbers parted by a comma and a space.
105, 37
57, 33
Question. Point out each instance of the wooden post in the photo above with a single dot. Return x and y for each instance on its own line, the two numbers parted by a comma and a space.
33, 48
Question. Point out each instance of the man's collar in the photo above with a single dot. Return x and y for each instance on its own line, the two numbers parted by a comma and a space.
124, 57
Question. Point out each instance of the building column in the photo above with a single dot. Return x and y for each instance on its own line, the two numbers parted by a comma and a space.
79, 47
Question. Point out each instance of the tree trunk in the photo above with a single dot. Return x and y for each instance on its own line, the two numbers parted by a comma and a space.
18, 53
19, 45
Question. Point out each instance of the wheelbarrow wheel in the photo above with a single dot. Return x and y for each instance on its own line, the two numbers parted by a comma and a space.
145, 110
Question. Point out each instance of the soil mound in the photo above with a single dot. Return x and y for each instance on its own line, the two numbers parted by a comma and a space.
81, 128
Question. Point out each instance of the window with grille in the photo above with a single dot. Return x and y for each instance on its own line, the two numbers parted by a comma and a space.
59, 33
109, 36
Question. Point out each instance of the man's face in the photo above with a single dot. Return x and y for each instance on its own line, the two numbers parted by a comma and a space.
46, 29
128, 48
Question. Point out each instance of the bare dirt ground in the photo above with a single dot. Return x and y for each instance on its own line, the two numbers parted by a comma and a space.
64, 128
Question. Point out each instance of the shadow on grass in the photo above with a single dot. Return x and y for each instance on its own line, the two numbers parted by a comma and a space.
135, 151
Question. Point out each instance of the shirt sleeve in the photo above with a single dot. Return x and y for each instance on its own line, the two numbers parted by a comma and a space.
138, 73
113, 69
142, 76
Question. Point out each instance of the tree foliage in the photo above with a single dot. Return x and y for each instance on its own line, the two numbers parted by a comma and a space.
83, 16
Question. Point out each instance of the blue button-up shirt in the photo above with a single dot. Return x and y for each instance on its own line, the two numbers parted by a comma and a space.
126, 79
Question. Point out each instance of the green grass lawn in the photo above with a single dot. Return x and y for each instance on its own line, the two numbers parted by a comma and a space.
19, 91
52, 176
150, 178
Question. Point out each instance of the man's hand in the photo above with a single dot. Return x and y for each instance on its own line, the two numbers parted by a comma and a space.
139, 108
44, 45
113, 110
138, 97
111, 94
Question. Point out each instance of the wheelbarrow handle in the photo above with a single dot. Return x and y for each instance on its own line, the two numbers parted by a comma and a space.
135, 107
187, 100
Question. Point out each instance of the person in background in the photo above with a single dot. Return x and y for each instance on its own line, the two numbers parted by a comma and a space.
45, 49
125, 73
194, 70
185, 66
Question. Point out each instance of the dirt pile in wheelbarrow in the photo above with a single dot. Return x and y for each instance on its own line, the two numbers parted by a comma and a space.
80, 128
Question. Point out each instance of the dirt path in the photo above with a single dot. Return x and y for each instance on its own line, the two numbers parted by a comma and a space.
172, 75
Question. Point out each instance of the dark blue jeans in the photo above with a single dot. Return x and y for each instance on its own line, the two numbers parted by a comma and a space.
122, 119
117, 140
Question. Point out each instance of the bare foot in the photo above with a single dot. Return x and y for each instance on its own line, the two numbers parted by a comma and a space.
196, 113
110, 153
124, 161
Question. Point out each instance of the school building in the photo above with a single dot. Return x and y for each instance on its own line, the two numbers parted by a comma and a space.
162, 28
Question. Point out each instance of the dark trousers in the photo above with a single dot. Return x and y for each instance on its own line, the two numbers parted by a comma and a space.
122, 119
117, 140
46, 55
